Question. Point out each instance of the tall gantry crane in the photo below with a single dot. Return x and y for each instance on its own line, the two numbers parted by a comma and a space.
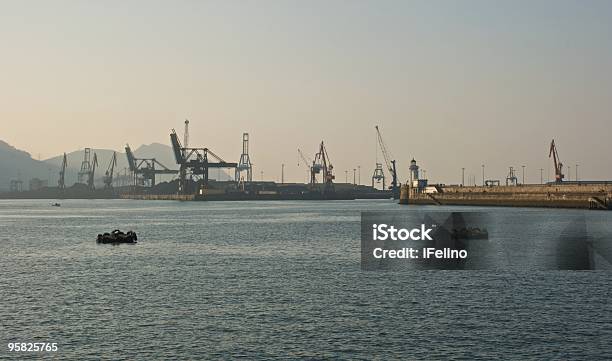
145, 169
557, 162
390, 163
61, 182
195, 160
244, 164
108, 176
83, 175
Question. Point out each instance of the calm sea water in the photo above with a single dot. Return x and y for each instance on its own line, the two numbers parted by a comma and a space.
277, 280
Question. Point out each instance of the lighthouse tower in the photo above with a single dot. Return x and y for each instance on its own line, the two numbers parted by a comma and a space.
414, 171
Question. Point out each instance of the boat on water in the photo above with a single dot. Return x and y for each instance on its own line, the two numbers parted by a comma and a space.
117, 236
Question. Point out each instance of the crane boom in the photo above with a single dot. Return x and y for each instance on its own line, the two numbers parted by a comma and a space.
306, 160
177, 147
383, 149
557, 162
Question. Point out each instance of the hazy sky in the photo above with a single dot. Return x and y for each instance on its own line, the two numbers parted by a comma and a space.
452, 83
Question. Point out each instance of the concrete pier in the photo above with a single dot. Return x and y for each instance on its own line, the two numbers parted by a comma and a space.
576, 195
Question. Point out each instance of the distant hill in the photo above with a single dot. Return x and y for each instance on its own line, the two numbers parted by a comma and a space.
161, 152
18, 164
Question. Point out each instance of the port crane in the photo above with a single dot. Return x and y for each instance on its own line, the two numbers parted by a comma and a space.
390, 163
196, 160
244, 164
108, 176
145, 169
379, 173
511, 178
83, 175
322, 164
61, 182
90, 176
557, 162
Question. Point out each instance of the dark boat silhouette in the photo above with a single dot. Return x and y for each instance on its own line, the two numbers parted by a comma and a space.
117, 236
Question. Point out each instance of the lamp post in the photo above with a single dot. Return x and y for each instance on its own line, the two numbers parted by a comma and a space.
483, 177
354, 179
462, 177
359, 174
576, 172
541, 175
523, 174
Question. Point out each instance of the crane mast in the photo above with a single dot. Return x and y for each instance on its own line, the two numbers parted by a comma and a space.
557, 162
244, 164
83, 175
186, 134
61, 182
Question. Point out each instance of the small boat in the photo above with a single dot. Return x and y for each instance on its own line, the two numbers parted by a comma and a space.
55, 205
117, 236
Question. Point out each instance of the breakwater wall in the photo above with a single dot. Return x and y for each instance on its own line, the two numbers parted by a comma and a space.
587, 196
160, 197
